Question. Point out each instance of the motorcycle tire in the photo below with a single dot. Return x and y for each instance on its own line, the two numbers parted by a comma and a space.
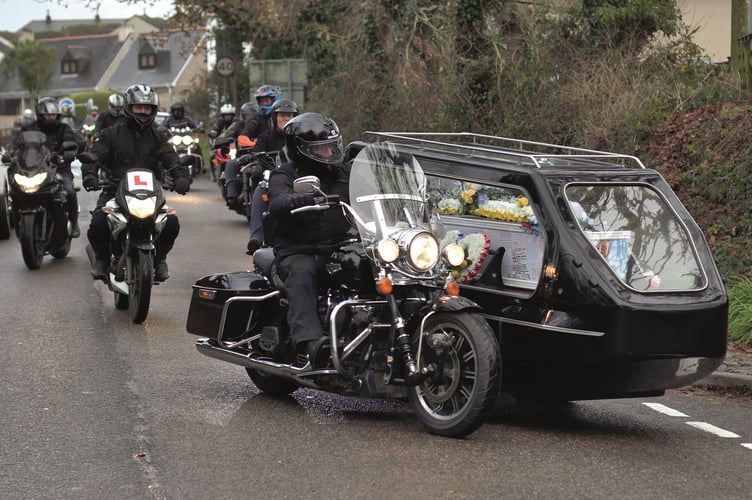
141, 279
32, 243
457, 399
62, 251
121, 301
5, 218
271, 384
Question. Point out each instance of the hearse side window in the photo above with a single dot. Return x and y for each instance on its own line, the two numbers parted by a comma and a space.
498, 229
638, 234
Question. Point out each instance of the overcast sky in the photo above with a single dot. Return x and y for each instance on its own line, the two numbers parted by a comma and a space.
16, 13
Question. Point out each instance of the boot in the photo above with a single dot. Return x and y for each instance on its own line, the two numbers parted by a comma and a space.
99, 269
161, 273
75, 231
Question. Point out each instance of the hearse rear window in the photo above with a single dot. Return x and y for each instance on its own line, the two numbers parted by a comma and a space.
637, 233
498, 229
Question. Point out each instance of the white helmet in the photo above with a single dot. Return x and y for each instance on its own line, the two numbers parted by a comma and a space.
227, 109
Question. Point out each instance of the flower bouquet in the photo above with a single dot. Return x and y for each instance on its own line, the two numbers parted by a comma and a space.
476, 247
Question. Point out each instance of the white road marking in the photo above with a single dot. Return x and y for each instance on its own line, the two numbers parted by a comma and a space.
713, 429
747, 445
665, 410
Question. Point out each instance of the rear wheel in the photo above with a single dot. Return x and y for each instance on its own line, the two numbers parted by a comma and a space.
5, 223
456, 400
142, 275
32, 242
271, 384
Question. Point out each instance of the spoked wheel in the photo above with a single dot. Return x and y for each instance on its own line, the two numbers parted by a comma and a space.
142, 276
32, 242
457, 399
271, 384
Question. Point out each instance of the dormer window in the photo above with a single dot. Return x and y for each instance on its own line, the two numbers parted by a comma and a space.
75, 60
147, 56
147, 61
69, 67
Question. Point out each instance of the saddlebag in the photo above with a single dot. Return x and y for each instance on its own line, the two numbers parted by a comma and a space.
221, 304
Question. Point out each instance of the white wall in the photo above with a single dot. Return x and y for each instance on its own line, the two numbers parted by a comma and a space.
713, 18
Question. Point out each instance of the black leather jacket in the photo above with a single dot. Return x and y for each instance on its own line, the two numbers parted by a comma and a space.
125, 145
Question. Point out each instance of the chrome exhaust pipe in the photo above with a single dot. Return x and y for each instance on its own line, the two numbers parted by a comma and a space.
209, 348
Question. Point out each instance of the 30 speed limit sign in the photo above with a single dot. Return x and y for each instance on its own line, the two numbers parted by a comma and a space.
225, 66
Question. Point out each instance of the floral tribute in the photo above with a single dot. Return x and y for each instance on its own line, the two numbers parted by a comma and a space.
473, 202
476, 247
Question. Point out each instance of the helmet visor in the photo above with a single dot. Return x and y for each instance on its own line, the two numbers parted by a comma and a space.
326, 151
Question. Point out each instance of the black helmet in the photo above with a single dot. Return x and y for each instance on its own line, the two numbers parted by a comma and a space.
247, 110
115, 104
313, 139
177, 110
283, 106
47, 106
141, 94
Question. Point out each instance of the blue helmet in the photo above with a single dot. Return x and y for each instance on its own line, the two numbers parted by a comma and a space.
267, 91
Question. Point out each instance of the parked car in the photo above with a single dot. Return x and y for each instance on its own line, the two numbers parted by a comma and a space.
594, 277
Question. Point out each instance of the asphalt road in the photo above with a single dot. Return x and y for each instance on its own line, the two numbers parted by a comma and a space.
94, 406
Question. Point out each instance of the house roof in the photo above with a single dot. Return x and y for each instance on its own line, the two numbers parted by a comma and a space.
40, 26
93, 54
173, 50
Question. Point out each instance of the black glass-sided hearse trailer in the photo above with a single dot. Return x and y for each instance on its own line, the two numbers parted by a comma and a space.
595, 277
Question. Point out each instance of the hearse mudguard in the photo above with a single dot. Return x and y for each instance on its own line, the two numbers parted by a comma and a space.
221, 304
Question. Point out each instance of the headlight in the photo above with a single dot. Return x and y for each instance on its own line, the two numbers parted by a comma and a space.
454, 255
176, 140
187, 140
30, 184
388, 250
423, 252
141, 208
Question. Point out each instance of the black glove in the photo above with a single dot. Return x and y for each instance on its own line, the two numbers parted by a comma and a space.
245, 159
182, 185
302, 200
7, 157
91, 182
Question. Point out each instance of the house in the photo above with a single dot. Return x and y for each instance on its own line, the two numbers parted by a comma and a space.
712, 20
136, 50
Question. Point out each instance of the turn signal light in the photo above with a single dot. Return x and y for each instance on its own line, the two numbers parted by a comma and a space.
453, 288
384, 286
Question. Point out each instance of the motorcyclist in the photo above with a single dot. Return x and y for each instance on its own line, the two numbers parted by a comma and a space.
258, 119
304, 241
178, 118
26, 119
272, 139
49, 122
91, 118
133, 142
115, 103
226, 122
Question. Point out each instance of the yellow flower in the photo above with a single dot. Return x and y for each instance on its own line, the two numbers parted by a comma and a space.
468, 195
522, 201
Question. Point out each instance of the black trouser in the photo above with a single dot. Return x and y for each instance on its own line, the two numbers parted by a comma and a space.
70, 193
99, 232
300, 273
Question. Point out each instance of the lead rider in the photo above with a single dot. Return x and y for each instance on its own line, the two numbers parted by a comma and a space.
135, 142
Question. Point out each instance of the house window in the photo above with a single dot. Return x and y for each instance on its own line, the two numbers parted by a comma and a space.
147, 61
69, 67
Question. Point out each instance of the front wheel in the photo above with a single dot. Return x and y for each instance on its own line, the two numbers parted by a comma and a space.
30, 232
271, 384
139, 288
456, 400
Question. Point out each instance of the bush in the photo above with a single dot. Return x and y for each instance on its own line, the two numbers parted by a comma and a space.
740, 308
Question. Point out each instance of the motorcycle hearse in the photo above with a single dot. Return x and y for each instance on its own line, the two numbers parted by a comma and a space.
35, 199
594, 278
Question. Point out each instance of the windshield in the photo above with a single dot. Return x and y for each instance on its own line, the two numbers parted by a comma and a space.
387, 193
637, 233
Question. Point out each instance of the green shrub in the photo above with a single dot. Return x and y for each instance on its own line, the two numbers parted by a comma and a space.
740, 308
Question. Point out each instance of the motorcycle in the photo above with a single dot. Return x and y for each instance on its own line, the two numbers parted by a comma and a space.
6, 210
186, 143
396, 325
254, 169
136, 216
38, 206
87, 131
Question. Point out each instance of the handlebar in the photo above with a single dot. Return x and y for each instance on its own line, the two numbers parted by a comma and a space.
321, 203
